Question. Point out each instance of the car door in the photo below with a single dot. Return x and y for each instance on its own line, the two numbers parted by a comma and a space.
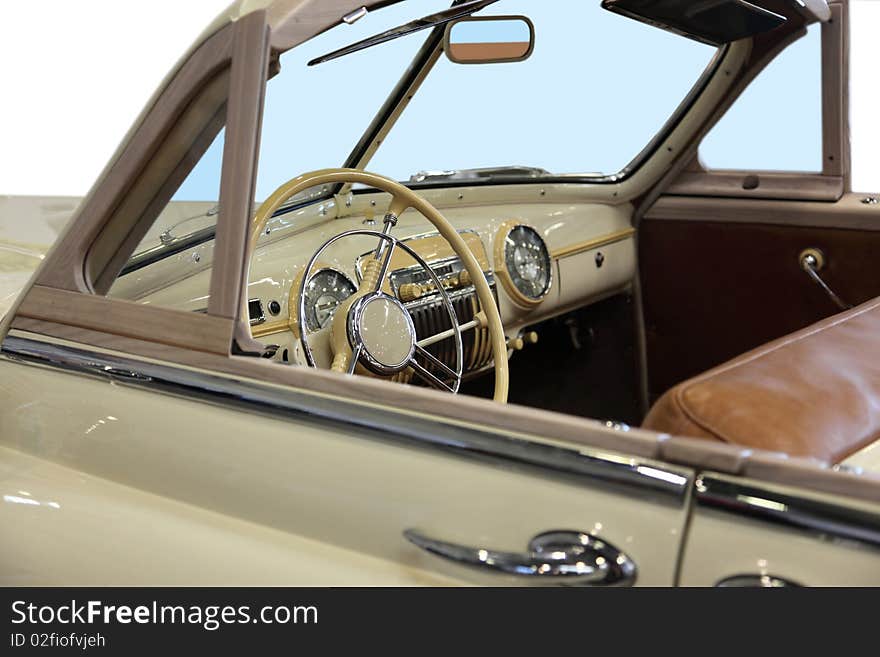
762, 235
150, 458
748, 531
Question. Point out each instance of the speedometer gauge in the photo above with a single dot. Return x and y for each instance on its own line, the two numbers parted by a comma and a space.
526, 261
324, 292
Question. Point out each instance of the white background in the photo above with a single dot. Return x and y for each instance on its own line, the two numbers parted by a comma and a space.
75, 75
864, 95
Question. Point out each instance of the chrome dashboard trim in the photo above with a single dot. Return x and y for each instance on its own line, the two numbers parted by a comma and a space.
454, 293
822, 519
255, 318
586, 466
358, 265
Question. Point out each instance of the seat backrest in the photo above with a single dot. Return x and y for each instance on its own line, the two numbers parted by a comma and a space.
813, 393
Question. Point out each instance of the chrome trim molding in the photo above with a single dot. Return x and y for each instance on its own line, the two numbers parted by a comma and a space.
586, 466
826, 519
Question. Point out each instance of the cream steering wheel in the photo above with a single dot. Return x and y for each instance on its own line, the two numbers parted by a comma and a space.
371, 328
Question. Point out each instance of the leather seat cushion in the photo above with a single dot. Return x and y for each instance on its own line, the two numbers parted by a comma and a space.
814, 393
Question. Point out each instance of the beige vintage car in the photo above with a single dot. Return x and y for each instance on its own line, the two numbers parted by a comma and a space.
517, 372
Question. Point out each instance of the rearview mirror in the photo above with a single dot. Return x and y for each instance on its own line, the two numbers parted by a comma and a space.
489, 40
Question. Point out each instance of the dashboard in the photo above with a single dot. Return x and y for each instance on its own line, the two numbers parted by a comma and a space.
541, 259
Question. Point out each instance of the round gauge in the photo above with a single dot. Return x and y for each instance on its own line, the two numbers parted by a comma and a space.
325, 291
527, 262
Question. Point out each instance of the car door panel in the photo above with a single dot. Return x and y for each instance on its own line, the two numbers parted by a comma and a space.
723, 276
752, 533
347, 485
74, 529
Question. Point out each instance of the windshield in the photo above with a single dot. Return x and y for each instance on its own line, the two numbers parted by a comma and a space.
314, 116
585, 104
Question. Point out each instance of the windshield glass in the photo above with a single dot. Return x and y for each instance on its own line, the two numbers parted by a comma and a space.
313, 118
586, 103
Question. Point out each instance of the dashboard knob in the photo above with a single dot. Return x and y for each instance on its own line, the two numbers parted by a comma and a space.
410, 292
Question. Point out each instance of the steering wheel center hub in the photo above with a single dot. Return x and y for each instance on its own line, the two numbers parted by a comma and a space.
384, 331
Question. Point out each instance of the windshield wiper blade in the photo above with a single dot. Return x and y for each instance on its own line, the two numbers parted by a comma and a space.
440, 18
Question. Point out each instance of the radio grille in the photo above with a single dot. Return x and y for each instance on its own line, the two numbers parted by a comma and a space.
431, 318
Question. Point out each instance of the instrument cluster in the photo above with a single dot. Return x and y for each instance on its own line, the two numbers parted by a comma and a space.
523, 263
326, 289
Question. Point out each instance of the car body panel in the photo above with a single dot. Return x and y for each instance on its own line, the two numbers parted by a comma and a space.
355, 489
74, 529
777, 538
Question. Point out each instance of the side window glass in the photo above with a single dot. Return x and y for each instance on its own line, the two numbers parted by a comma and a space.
171, 267
768, 131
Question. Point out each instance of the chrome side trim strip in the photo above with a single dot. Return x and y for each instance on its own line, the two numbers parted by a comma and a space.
586, 466
824, 519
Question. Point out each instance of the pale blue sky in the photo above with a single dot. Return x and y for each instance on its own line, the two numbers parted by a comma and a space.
596, 90
777, 123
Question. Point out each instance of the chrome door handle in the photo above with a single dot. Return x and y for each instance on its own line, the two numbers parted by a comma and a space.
554, 558
754, 581
812, 261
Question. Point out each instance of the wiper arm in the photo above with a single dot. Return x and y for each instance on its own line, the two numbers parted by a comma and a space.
166, 238
440, 18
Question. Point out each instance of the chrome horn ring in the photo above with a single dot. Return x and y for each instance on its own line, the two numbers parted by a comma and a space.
383, 357
369, 359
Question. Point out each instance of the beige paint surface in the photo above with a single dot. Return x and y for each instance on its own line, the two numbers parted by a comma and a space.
28, 227
251, 485
722, 545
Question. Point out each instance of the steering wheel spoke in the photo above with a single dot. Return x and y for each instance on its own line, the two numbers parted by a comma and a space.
443, 367
399, 205
386, 263
355, 355
430, 378
445, 335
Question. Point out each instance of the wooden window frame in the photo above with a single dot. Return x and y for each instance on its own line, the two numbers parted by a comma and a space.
70, 289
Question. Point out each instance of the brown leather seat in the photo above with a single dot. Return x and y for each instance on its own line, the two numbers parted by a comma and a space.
813, 393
